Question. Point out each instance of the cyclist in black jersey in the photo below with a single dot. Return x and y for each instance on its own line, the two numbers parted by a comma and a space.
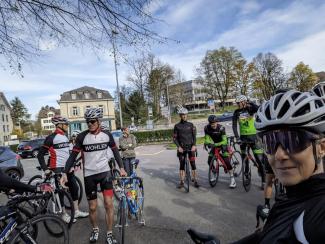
291, 126
185, 139
97, 147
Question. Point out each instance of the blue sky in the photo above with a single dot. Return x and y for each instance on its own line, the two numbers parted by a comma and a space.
293, 30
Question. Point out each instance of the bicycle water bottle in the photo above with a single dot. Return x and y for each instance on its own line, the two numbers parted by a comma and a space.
133, 194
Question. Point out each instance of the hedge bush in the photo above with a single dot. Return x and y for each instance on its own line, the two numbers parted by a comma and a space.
13, 147
154, 136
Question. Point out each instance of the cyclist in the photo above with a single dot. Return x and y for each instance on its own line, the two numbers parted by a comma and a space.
97, 147
127, 144
185, 139
215, 136
245, 116
292, 128
57, 144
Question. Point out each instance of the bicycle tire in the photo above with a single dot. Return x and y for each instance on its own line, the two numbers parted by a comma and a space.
70, 211
246, 177
138, 186
122, 221
187, 176
236, 163
42, 218
35, 179
116, 173
211, 173
80, 191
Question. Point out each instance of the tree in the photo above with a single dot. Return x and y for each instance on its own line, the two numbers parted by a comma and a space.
176, 90
19, 112
244, 79
218, 72
302, 77
26, 27
136, 106
268, 75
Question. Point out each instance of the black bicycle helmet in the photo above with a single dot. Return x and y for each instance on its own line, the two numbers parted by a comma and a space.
212, 119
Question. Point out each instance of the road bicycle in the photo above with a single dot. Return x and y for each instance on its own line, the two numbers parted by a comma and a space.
217, 161
19, 225
131, 203
235, 160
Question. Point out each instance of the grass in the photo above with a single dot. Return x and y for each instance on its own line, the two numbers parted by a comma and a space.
199, 141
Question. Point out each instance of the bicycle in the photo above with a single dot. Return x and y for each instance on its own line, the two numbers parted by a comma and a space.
18, 225
187, 178
201, 238
236, 159
217, 161
131, 202
54, 204
247, 176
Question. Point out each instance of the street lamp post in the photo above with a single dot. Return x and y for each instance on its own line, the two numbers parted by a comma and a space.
169, 116
116, 77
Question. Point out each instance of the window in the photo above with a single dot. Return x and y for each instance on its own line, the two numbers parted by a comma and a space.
74, 96
87, 95
7, 118
52, 126
101, 107
74, 111
99, 94
46, 127
2, 107
3, 118
4, 128
7, 128
50, 115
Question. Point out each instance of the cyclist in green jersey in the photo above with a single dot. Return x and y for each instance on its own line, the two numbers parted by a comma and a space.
244, 115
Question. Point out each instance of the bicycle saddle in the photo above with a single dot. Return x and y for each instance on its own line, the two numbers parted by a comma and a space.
201, 238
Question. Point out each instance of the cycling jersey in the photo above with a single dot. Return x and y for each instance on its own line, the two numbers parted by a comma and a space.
215, 136
301, 216
57, 144
97, 149
246, 119
184, 134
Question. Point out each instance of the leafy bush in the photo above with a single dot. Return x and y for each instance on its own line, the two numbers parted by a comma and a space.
154, 136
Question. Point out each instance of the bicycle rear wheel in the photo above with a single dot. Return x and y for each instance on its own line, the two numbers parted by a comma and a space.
247, 176
236, 163
213, 172
116, 186
25, 233
187, 176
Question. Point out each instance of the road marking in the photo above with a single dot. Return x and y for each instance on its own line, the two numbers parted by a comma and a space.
151, 154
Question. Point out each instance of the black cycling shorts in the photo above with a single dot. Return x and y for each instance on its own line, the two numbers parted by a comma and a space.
268, 168
92, 181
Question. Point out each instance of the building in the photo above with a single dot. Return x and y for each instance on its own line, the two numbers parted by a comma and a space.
45, 119
74, 103
6, 124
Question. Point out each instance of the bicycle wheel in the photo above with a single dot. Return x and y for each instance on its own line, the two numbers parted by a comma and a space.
116, 186
247, 176
55, 207
121, 220
187, 176
25, 232
213, 172
36, 179
139, 200
236, 163
80, 191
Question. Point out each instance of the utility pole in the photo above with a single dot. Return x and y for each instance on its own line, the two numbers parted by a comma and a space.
169, 115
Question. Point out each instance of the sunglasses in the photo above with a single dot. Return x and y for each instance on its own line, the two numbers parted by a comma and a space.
92, 121
293, 141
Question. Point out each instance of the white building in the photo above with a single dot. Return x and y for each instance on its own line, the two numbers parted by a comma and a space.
6, 124
46, 122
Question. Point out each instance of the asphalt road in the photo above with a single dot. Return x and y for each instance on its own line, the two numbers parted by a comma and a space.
169, 212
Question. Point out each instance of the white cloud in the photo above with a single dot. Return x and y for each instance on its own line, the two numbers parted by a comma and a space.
249, 7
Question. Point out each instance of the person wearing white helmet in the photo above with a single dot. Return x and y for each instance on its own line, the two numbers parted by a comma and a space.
244, 116
57, 145
97, 147
291, 126
185, 139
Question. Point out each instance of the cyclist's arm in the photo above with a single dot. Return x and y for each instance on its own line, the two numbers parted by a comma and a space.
234, 123
224, 141
115, 151
253, 107
6, 183
208, 140
175, 136
43, 150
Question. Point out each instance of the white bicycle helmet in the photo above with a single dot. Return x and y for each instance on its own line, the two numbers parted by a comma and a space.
59, 120
241, 98
319, 89
94, 113
182, 110
292, 109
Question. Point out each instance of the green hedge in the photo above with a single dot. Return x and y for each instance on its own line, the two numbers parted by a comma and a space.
154, 136
13, 147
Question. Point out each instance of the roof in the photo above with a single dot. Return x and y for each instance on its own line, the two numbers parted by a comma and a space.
80, 94
3, 97
43, 112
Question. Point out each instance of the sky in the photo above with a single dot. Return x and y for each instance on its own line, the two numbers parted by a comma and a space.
293, 30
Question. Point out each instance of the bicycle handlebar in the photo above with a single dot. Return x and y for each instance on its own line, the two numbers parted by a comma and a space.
201, 238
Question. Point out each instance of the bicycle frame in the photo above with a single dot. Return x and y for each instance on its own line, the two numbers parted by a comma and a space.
219, 157
249, 156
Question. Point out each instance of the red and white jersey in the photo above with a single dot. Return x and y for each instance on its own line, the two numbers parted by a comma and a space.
95, 150
58, 146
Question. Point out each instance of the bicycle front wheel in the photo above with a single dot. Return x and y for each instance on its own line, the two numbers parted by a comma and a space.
187, 176
213, 172
25, 232
236, 163
247, 175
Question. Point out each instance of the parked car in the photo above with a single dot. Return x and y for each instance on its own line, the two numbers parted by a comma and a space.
132, 128
29, 148
116, 135
227, 116
10, 163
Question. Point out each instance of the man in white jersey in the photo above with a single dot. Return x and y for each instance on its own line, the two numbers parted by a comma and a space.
57, 144
97, 147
